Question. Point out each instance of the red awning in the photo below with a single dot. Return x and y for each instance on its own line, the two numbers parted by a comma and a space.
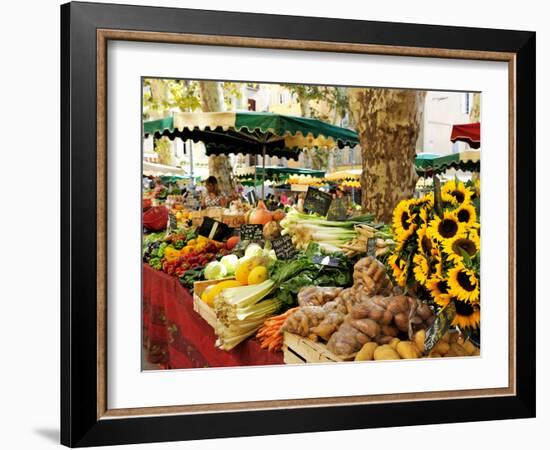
468, 132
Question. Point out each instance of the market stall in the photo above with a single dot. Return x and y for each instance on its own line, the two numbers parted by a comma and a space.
343, 175
259, 133
428, 164
468, 132
296, 287
300, 284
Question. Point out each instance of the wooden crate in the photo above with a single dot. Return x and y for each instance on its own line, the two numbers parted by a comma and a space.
301, 350
201, 308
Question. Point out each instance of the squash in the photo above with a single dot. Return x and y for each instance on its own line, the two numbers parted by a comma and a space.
260, 216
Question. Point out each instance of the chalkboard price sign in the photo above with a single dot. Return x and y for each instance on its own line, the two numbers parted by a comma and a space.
284, 248
172, 222
317, 201
212, 229
252, 232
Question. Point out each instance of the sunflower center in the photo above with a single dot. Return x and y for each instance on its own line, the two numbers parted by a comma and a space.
405, 220
463, 308
447, 228
466, 245
458, 195
464, 280
463, 215
426, 245
442, 286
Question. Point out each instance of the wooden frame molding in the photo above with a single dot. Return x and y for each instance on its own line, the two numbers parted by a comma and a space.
103, 36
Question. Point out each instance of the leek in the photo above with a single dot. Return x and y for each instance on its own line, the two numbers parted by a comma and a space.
332, 236
241, 311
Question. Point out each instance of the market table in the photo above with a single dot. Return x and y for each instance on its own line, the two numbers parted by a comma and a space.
176, 337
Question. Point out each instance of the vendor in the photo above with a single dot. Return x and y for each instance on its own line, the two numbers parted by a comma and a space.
341, 206
213, 197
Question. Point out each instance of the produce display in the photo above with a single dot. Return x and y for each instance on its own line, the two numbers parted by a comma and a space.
331, 235
264, 291
451, 344
182, 254
360, 290
270, 335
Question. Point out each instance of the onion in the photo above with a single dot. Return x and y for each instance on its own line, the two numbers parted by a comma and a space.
260, 216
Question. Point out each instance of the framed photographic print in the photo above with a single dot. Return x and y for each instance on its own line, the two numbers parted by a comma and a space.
278, 224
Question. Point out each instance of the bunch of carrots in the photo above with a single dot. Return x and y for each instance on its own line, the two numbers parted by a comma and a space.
270, 335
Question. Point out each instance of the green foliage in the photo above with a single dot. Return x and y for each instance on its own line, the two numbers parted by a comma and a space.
291, 276
182, 95
163, 147
231, 90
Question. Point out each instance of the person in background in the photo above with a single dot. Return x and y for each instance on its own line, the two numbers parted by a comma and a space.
213, 196
284, 199
340, 206
300, 202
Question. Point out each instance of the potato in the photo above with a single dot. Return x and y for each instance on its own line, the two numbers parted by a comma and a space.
469, 347
383, 340
434, 355
458, 349
313, 337
385, 352
419, 339
401, 321
324, 331
446, 337
407, 350
476, 353
366, 326
389, 330
393, 343
367, 352
441, 347
453, 337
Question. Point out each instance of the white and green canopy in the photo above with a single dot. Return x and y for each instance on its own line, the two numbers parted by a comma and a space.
252, 132
428, 164
257, 133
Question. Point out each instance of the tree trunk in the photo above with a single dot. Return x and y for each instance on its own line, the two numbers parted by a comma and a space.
388, 122
218, 165
475, 112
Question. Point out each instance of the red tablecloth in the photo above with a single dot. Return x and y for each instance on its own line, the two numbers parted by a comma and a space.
176, 337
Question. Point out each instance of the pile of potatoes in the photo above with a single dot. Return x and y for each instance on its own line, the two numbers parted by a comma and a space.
451, 344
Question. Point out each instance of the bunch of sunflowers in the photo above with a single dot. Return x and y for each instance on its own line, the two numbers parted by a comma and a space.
437, 253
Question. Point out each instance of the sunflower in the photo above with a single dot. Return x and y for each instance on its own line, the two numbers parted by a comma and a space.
424, 214
446, 227
473, 235
425, 201
467, 314
475, 228
439, 288
455, 247
421, 268
436, 262
424, 242
466, 214
399, 268
457, 191
477, 186
403, 220
463, 283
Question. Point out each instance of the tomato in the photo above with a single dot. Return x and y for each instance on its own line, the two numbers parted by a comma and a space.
232, 242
